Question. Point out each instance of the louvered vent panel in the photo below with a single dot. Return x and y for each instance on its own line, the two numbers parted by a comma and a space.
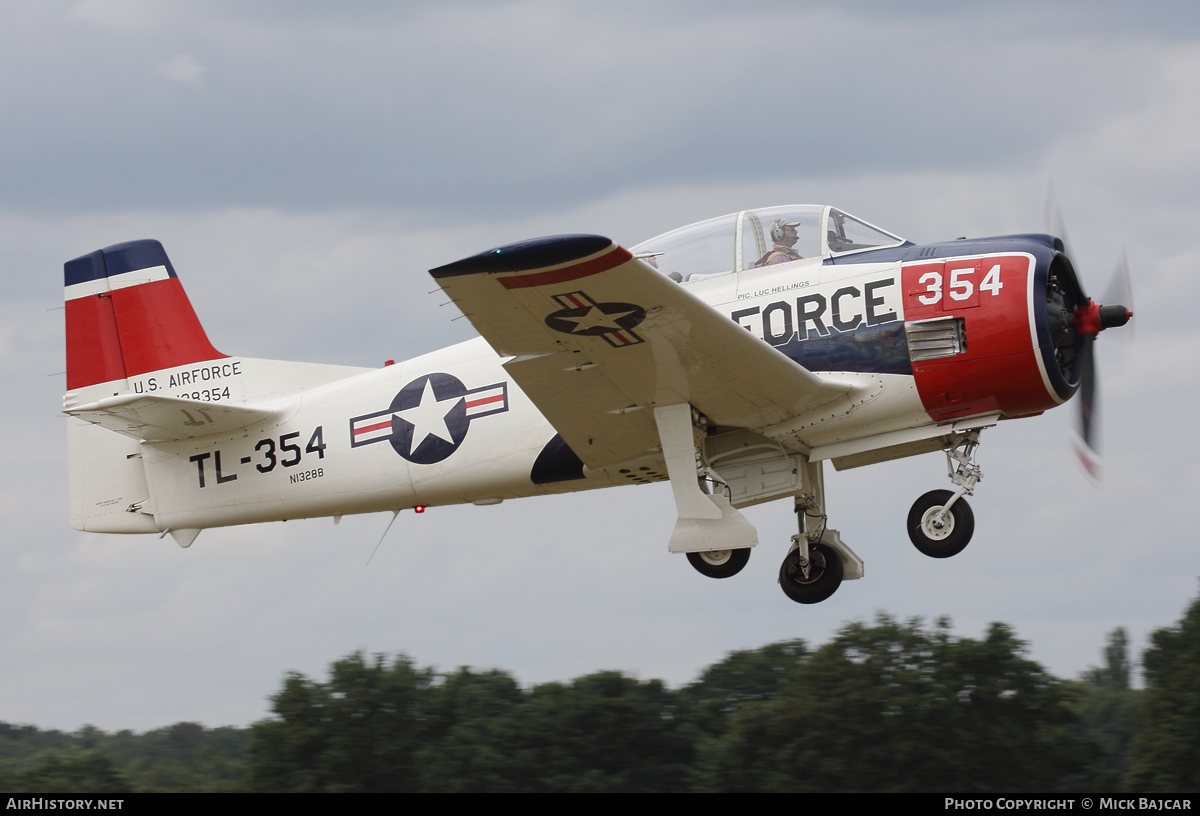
935, 339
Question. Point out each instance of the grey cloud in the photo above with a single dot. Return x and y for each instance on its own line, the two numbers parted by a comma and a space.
378, 142
472, 108
131, 631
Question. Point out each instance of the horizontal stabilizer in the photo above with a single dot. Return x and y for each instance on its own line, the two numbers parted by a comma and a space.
159, 419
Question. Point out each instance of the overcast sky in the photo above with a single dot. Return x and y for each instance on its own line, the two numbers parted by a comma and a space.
305, 163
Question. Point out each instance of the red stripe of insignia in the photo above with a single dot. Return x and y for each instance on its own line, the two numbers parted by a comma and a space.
369, 428
616, 257
485, 401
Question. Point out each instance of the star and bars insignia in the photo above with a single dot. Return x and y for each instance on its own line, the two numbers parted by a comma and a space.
613, 322
429, 418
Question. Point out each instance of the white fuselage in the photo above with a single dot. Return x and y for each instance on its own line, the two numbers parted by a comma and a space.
329, 449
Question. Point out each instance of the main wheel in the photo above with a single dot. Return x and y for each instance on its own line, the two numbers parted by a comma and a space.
948, 538
823, 579
719, 563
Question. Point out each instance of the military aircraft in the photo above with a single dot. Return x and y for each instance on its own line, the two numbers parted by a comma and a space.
731, 357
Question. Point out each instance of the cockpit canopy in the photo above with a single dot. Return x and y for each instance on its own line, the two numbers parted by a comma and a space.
747, 240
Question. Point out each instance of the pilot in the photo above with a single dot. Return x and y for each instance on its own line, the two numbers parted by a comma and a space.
783, 232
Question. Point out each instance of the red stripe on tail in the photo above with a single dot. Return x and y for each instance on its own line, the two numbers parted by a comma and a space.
158, 328
125, 332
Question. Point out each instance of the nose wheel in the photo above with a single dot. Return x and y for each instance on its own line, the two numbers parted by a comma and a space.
937, 530
940, 523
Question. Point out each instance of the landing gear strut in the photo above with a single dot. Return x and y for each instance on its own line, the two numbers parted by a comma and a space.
940, 523
754, 469
813, 569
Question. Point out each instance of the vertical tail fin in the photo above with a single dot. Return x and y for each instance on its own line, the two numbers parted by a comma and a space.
127, 314
131, 331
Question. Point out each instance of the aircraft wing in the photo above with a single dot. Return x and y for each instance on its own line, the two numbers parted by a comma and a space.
599, 338
157, 419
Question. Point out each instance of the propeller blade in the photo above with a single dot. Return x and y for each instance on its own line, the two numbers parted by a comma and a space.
1053, 219
1049, 208
1087, 429
1090, 319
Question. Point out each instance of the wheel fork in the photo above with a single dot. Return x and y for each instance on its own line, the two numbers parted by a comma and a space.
966, 473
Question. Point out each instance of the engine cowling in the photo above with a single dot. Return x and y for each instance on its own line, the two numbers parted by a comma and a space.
1015, 307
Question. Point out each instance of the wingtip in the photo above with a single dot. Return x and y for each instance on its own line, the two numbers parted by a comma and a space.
535, 253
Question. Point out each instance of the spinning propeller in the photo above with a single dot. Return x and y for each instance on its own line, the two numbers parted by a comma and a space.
1087, 320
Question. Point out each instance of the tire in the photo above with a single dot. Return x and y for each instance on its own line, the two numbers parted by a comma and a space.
824, 578
719, 563
949, 540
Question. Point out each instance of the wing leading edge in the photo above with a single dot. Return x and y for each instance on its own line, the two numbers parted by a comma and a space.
599, 338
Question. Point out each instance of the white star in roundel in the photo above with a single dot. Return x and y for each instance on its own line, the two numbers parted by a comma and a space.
594, 318
429, 418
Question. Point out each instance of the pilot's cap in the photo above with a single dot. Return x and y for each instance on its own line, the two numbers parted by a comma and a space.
779, 225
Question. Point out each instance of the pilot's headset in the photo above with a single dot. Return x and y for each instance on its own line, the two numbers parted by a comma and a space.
779, 225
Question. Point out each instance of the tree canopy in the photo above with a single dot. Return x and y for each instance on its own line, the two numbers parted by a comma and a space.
883, 706
889, 706
897, 706
1166, 751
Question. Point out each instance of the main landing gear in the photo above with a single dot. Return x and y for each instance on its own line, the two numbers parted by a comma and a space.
818, 561
707, 471
719, 563
810, 574
940, 523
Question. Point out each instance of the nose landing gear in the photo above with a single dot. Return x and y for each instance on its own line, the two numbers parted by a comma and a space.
938, 528
940, 523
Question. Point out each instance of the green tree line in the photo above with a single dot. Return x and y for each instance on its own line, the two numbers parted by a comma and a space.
887, 706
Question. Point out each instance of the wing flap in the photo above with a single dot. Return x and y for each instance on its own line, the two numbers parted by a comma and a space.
599, 422
158, 419
585, 300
